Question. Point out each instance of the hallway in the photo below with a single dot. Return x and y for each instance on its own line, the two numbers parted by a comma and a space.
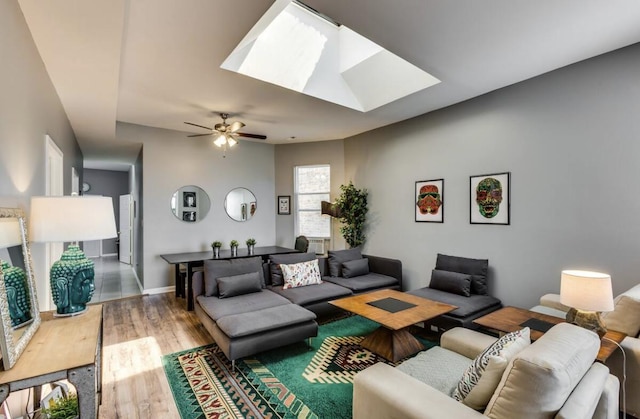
113, 280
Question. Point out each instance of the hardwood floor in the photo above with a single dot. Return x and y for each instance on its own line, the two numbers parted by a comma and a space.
137, 332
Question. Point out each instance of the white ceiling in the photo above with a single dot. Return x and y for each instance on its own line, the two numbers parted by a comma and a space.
157, 62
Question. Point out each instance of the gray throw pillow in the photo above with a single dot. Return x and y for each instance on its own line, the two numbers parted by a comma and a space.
357, 267
287, 259
453, 282
477, 268
230, 286
214, 269
338, 257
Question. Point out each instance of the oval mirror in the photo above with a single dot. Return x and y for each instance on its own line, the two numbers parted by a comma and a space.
190, 204
240, 204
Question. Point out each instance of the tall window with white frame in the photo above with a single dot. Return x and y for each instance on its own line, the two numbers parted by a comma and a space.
312, 186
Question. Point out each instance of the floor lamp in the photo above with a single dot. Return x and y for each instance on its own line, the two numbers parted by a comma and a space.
72, 219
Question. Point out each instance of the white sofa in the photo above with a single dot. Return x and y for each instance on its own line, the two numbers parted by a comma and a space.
625, 318
554, 377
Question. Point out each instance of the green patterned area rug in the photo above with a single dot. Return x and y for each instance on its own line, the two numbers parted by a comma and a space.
290, 382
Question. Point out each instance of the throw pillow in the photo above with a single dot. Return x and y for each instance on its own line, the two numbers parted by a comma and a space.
625, 316
214, 269
338, 257
288, 258
481, 379
356, 267
230, 286
453, 282
301, 274
477, 268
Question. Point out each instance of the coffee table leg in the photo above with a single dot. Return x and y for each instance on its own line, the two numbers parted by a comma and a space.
392, 345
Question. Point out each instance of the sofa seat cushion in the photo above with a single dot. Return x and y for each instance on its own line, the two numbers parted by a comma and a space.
427, 367
312, 293
245, 324
217, 308
467, 306
361, 283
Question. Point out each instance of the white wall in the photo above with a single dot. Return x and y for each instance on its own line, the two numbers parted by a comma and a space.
172, 160
571, 140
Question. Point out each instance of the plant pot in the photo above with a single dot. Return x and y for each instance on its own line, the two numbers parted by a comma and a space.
216, 252
234, 251
250, 248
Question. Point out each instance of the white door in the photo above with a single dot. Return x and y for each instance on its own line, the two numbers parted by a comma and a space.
126, 224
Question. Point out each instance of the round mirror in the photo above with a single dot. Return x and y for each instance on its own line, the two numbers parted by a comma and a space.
190, 204
240, 204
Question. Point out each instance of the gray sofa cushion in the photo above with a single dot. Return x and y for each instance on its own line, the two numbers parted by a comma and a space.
355, 267
467, 306
453, 282
218, 308
246, 324
338, 257
214, 269
230, 286
287, 259
312, 293
477, 268
362, 283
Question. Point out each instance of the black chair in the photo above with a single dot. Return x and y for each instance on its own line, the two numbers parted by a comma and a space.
302, 244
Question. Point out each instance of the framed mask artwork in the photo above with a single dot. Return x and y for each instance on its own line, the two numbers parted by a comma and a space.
429, 201
490, 199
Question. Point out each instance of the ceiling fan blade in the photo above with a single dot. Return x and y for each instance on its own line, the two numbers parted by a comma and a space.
196, 125
247, 135
199, 135
235, 126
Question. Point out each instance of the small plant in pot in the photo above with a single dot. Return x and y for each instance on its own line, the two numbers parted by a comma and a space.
234, 247
63, 408
216, 248
251, 243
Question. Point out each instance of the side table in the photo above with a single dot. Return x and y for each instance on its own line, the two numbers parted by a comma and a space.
62, 348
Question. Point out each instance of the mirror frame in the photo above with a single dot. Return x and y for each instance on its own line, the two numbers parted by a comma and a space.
178, 196
11, 350
247, 209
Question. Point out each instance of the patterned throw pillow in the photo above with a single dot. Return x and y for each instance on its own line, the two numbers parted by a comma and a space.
481, 379
301, 274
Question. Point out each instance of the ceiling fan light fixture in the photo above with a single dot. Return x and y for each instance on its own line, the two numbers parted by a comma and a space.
220, 141
231, 141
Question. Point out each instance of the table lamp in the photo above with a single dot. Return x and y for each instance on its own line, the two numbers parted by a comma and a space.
587, 294
72, 219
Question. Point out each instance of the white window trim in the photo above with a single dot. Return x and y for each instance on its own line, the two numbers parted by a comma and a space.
295, 199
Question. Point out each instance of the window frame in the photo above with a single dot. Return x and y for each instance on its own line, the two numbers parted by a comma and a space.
296, 199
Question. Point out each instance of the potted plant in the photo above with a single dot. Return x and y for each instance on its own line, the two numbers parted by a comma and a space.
216, 245
251, 242
352, 205
234, 247
63, 408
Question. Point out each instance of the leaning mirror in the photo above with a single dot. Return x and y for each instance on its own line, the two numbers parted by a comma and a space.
240, 204
190, 204
19, 312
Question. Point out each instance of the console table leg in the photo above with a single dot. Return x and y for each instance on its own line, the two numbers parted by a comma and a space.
4, 392
84, 379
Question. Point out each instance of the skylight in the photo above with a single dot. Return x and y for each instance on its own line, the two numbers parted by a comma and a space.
295, 48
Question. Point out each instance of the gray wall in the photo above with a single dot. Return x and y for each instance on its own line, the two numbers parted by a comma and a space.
571, 142
138, 208
172, 160
113, 184
29, 109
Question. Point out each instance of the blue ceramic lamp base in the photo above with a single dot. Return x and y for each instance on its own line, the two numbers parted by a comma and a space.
72, 283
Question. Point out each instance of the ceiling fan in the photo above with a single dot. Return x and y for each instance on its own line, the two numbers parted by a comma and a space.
226, 134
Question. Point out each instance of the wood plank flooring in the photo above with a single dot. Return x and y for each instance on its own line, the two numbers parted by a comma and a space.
137, 332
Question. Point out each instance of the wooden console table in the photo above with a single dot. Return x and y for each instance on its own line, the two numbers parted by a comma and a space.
194, 259
63, 348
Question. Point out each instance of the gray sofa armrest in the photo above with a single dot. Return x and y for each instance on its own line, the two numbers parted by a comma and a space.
386, 266
197, 284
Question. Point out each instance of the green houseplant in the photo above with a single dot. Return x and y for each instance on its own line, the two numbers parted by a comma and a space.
63, 408
234, 247
251, 242
352, 205
216, 245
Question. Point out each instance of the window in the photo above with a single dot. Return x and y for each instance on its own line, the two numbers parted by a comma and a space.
312, 186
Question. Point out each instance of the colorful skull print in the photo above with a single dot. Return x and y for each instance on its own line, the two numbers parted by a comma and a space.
429, 200
489, 197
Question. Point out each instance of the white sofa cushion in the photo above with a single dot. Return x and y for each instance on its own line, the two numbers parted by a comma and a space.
625, 316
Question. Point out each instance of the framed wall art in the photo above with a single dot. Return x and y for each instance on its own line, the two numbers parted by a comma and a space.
490, 198
429, 201
284, 204
189, 216
189, 199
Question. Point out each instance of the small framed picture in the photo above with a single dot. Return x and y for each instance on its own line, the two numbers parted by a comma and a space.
490, 199
284, 204
189, 199
429, 201
189, 216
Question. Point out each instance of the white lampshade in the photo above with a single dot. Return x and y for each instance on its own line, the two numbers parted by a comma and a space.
71, 218
9, 232
587, 291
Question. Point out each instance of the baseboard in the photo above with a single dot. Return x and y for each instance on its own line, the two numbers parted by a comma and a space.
161, 290
109, 254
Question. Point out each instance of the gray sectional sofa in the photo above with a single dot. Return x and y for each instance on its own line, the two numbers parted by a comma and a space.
245, 307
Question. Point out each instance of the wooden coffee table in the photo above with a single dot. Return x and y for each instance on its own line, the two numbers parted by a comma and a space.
510, 319
392, 341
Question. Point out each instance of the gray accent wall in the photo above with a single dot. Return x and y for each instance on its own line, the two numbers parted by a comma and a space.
571, 140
